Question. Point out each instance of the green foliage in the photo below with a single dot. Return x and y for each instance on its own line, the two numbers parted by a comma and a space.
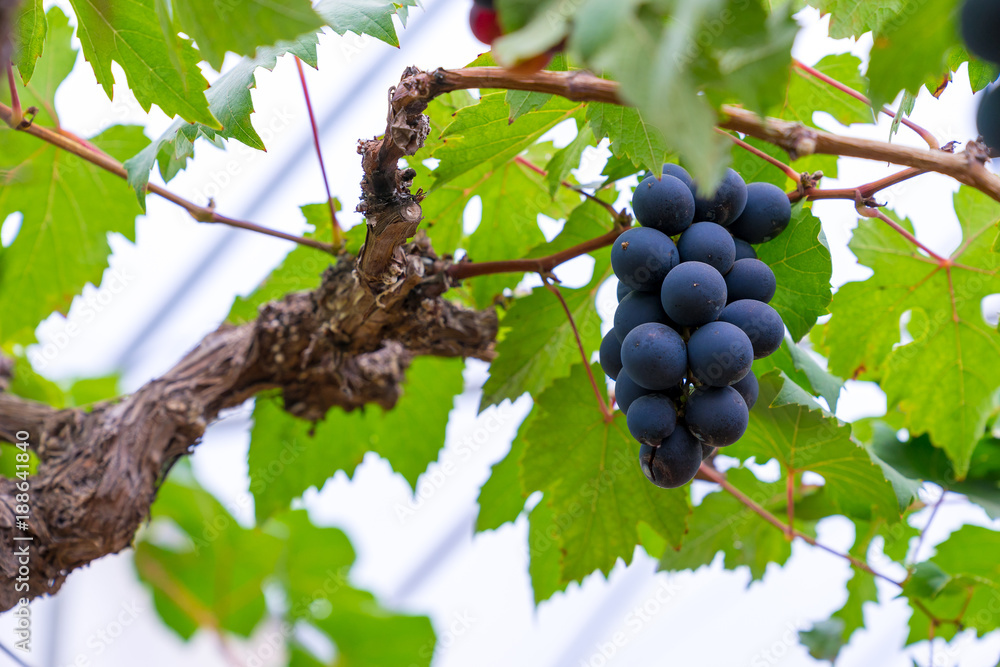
29, 36
597, 500
365, 17
951, 341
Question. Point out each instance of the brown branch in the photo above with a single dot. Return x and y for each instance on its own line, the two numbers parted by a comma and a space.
101, 159
542, 265
344, 344
924, 134
717, 477
790, 492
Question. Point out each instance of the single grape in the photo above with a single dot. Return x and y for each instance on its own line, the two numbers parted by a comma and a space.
693, 294
642, 256
988, 118
717, 416
664, 203
484, 23
706, 451
760, 322
626, 391
719, 354
651, 418
678, 172
750, 279
638, 308
611, 355
748, 389
980, 25
725, 205
655, 356
766, 214
744, 250
709, 243
623, 289
675, 462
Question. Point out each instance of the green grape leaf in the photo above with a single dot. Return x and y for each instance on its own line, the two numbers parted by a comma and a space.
630, 135
162, 67
926, 580
905, 109
961, 582
481, 135
27, 383
501, 499
538, 344
247, 24
29, 37
301, 270
230, 101
289, 455
799, 366
214, 575
567, 158
803, 438
545, 564
800, 259
912, 47
88, 391
853, 18
722, 523
68, 205
808, 95
598, 498
365, 17
523, 101
824, 639
952, 342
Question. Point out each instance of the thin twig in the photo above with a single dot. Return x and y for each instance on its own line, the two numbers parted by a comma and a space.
15, 101
717, 477
542, 265
319, 151
870, 212
109, 164
923, 532
566, 184
924, 134
791, 173
868, 190
790, 490
579, 343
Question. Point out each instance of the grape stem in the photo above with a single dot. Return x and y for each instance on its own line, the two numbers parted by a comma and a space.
566, 184
714, 475
605, 410
811, 71
16, 115
789, 171
870, 212
69, 143
319, 151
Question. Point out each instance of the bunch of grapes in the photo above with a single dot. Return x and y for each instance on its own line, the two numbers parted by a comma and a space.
980, 23
692, 316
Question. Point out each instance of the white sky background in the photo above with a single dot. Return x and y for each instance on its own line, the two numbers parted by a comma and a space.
476, 589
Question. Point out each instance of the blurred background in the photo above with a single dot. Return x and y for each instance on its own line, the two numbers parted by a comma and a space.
418, 552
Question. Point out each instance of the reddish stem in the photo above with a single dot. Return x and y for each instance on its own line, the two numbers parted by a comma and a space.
791, 173
790, 489
319, 151
867, 190
15, 101
538, 170
870, 212
579, 343
717, 477
924, 134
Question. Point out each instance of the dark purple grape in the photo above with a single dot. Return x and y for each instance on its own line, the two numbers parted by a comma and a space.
719, 354
988, 118
693, 294
725, 205
642, 256
638, 308
664, 203
980, 26
750, 279
651, 418
623, 289
706, 451
760, 322
678, 172
627, 391
748, 389
717, 416
766, 214
744, 250
654, 356
675, 462
611, 355
709, 243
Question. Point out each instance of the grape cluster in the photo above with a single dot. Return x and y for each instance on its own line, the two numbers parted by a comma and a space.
980, 24
692, 316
